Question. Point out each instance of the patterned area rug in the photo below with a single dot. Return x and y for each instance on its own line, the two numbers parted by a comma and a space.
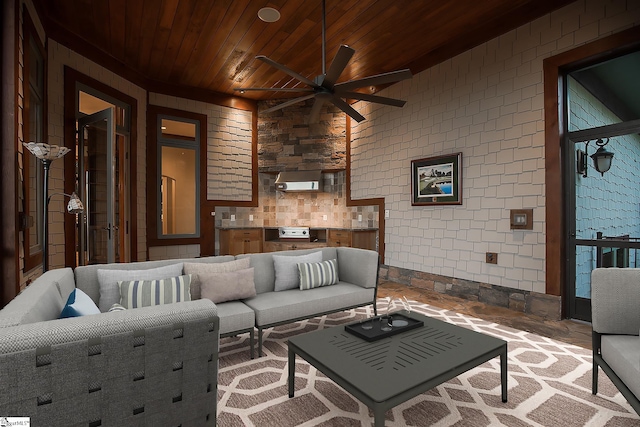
549, 385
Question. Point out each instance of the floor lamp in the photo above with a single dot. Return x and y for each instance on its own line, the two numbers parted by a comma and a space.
46, 153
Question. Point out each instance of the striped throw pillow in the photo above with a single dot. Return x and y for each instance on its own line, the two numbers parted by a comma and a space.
145, 293
316, 274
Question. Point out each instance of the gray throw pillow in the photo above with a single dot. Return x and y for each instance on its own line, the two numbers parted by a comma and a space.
286, 268
201, 273
108, 279
229, 286
146, 293
316, 274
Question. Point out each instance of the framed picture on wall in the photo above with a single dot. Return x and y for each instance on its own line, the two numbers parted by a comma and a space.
437, 180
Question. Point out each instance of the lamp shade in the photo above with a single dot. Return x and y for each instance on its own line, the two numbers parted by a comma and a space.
75, 205
602, 160
44, 151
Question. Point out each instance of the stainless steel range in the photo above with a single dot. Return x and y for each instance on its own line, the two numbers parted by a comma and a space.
293, 232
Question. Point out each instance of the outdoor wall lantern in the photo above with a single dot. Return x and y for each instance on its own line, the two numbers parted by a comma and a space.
601, 158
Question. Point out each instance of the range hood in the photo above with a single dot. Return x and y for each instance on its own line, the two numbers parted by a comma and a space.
299, 181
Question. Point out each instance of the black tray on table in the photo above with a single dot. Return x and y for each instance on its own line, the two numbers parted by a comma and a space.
402, 324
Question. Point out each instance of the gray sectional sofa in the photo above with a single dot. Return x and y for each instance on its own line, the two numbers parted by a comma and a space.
151, 365
615, 293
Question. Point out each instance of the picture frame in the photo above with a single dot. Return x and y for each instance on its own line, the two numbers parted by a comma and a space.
437, 180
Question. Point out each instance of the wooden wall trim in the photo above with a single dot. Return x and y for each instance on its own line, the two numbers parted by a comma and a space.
10, 268
376, 201
554, 68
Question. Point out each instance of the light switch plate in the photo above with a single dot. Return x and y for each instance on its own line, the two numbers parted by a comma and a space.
324, 217
250, 217
233, 217
359, 218
386, 213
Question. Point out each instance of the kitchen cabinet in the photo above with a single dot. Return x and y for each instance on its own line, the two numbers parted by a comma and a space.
236, 241
339, 237
290, 246
363, 239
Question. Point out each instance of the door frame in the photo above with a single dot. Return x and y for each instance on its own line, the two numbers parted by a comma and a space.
554, 121
108, 115
71, 78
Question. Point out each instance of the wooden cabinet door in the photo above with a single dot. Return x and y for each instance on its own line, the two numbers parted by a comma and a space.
240, 241
339, 238
364, 239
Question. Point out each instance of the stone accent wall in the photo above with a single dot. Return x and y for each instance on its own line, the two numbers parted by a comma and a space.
487, 103
287, 143
546, 306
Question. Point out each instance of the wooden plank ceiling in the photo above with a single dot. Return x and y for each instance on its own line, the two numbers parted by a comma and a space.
210, 45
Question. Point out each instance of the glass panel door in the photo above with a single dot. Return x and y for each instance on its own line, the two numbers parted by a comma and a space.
97, 173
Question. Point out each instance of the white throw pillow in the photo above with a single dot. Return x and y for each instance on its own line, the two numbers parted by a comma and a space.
286, 268
108, 279
78, 304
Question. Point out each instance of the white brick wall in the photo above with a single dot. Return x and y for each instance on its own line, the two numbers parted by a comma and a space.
488, 104
228, 146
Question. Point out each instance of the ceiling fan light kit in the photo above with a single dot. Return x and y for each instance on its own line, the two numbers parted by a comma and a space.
324, 88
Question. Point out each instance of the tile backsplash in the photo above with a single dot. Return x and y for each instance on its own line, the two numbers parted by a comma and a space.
277, 209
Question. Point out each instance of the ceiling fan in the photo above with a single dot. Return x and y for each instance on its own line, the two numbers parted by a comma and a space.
324, 88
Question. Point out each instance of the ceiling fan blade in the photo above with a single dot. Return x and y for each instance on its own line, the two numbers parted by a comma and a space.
287, 70
338, 65
287, 103
347, 109
372, 98
273, 89
314, 116
379, 79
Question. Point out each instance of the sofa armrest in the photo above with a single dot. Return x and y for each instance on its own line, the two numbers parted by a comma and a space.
135, 367
59, 331
358, 266
615, 293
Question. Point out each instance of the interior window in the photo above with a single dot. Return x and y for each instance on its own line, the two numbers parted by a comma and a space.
178, 149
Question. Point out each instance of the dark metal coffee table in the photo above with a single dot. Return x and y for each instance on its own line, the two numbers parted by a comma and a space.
385, 373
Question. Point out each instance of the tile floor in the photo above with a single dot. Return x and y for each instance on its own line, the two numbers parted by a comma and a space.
569, 331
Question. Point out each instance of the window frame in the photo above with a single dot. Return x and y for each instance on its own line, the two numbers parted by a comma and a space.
32, 259
155, 114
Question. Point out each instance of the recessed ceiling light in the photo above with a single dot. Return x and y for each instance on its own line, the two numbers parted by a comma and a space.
268, 14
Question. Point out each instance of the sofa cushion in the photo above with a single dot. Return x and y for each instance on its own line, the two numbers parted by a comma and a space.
201, 273
79, 304
264, 273
290, 305
145, 293
622, 354
86, 276
316, 274
230, 286
109, 290
42, 300
286, 269
235, 316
